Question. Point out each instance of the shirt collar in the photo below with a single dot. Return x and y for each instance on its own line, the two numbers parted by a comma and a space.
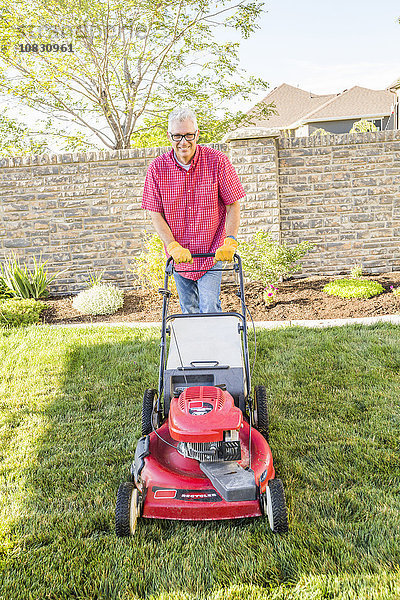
194, 160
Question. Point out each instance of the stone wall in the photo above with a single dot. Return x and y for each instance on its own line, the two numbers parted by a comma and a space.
83, 210
342, 192
80, 211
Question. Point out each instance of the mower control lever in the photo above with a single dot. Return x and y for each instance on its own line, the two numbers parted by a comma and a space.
193, 368
204, 362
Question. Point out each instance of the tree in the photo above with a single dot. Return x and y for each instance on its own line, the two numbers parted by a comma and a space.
16, 139
112, 67
212, 127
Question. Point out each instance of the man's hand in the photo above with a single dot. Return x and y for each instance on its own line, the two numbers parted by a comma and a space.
178, 253
227, 250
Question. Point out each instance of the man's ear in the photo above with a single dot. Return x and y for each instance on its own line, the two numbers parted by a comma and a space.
197, 135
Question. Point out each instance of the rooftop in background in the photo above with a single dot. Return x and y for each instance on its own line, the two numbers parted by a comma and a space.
303, 112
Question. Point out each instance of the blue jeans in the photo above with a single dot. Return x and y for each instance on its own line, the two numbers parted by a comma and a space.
201, 295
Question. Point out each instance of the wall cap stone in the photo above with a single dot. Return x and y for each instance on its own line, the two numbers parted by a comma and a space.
248, 133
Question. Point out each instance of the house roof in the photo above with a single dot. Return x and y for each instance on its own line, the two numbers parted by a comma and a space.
297, 107
291, 103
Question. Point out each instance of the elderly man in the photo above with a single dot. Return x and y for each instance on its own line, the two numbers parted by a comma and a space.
193, 194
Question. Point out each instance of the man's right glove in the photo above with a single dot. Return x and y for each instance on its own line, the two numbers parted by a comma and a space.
178, 253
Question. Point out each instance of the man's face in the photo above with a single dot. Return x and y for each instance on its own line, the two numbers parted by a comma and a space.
184, 149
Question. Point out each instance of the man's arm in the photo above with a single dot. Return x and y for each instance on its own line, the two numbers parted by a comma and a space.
178, 253
227, 250
161, 227
232, 219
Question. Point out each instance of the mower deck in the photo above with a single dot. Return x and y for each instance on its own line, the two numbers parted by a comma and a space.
176, 487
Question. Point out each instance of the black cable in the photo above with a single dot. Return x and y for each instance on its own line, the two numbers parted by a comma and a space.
155, 430
252, 369
255, 343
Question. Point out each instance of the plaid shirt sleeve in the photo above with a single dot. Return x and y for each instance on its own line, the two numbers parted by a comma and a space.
229, 187
151, 193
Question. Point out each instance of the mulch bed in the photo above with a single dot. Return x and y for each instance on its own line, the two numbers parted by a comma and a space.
296, 299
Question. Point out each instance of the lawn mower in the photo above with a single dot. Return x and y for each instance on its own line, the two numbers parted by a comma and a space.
204, 452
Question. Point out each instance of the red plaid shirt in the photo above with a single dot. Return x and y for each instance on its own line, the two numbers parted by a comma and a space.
193, 202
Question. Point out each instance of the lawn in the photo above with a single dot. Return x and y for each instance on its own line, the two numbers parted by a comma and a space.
70, 402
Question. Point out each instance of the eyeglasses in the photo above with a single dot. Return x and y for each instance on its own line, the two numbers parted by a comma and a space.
177, 137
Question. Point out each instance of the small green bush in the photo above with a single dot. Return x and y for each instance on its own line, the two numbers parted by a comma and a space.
353, 288
395, 291
100, 299
356, 272
16, 312
149, 266
363, 126
24, 283
319, 132
95, 277
268, 261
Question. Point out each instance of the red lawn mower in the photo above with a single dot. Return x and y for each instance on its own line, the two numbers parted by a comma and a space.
204, 452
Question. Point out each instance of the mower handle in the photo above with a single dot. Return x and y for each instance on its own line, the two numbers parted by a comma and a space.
195, 255
203, 255
200, 255
237, 266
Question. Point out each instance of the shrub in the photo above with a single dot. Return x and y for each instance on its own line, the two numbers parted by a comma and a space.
100, 299
269, 261
5, 291
149, 266
395, 291
319, 131
362, 126
17, 312
23, 283
353, 288
95, 278
356, 272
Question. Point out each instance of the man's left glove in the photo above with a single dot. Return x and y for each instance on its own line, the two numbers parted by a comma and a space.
227, 250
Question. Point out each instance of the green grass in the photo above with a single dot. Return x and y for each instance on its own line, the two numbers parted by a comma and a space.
70, 418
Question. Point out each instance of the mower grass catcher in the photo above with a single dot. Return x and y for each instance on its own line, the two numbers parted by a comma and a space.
204, 452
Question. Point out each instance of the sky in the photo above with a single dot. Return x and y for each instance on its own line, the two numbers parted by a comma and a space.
325, 46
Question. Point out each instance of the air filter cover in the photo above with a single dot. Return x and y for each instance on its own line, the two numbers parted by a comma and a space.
202, 414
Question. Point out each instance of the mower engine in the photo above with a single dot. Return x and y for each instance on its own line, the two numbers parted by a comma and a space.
206, 423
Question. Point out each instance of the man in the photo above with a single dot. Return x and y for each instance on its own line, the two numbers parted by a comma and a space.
193, 194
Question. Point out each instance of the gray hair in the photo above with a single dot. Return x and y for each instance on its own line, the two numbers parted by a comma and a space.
181, 114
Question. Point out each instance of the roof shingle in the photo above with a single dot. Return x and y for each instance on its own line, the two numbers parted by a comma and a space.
296, 107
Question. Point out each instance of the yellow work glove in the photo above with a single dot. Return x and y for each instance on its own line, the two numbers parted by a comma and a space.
227, 250
178, 253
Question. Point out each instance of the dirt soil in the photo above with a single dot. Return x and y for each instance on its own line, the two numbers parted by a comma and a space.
296, 299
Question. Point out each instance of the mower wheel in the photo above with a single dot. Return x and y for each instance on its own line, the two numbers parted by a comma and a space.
127, 510
147, 411
275, 506
261, 420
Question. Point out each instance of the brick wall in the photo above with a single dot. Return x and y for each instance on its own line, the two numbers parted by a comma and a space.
342, 192
83, 210
77, 210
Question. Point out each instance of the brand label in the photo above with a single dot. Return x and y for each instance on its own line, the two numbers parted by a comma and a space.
186, 495
199, 407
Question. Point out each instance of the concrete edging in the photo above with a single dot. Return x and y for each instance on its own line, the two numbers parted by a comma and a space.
395, 319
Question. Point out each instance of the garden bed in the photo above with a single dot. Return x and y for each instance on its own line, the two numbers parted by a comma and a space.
296, 299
